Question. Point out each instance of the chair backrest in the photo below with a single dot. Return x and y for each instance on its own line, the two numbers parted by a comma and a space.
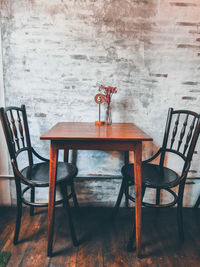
15, 126
181, 134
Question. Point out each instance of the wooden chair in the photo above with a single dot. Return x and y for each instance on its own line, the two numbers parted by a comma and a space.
181, 134
15, 126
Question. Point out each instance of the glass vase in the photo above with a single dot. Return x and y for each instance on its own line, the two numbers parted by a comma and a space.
108, 116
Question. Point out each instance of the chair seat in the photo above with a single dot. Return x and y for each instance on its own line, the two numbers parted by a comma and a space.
152, 175
39, 173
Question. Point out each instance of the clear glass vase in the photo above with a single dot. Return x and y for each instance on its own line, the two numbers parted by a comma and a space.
108, 115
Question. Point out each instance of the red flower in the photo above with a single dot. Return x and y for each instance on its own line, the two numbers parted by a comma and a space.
108, 92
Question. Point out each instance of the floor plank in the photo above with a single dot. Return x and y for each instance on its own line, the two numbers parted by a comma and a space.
102, 242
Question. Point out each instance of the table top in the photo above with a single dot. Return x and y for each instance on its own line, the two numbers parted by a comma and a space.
90, 131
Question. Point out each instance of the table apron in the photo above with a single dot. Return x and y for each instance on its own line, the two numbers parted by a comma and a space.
95, 145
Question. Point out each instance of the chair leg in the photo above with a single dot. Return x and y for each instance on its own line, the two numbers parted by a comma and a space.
32, 200
158, 196
64, 192
19, 212
119, 199
126, 190
76, 205
131, 239
71, 225
180, 213
158, 200
143, 191
180, 221
197, 203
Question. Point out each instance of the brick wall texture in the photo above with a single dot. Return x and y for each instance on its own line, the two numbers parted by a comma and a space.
56, 54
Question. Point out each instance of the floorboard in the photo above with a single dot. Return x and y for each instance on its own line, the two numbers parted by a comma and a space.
102, 241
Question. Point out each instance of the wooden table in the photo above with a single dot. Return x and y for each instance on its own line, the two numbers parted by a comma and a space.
87, 136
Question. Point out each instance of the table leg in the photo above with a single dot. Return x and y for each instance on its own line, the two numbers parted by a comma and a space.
66, 155
52, 182
138, 194
126, 161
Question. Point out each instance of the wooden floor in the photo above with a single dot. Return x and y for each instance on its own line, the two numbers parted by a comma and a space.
102, 242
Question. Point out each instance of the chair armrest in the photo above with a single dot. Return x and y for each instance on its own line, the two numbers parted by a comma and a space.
153, 157
20, 176
38, 156
182, 177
